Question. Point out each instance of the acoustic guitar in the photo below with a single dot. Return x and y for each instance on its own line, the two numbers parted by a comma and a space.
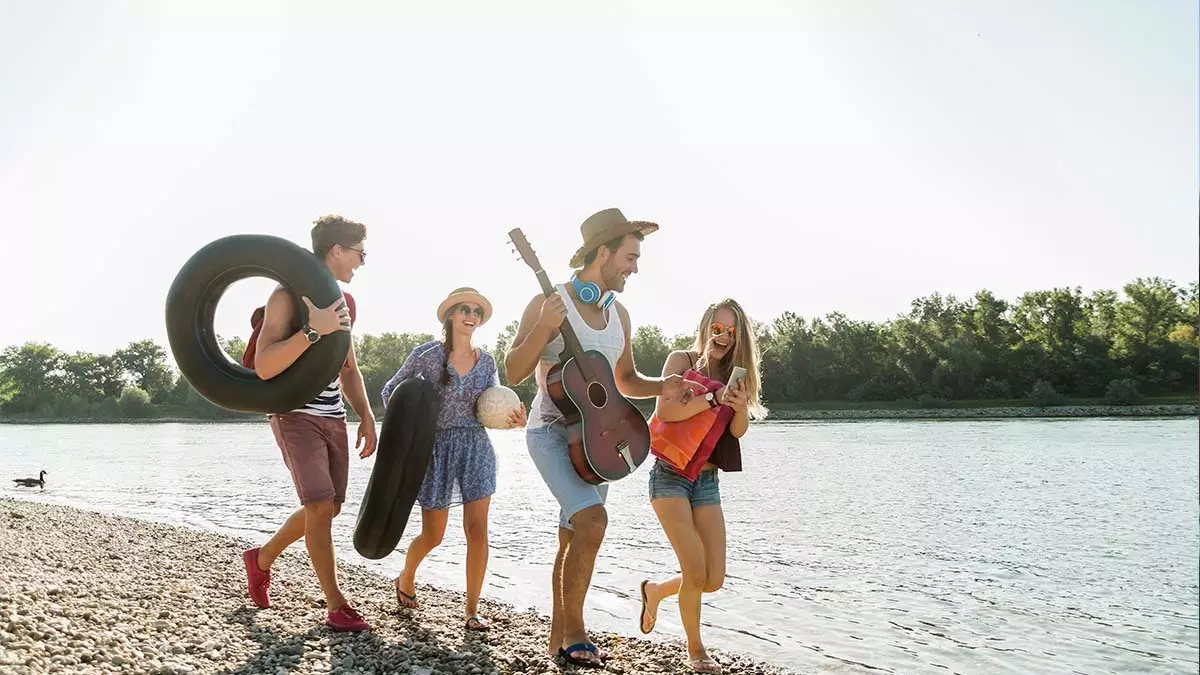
608, 438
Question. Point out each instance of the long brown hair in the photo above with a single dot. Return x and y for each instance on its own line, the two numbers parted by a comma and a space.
447, 345
744, 353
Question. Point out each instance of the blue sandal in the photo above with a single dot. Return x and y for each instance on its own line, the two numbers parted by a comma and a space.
565, 653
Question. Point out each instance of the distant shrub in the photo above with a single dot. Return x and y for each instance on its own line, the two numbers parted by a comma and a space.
135, 402
993, 388
1044, 394
1122, 392
930, 401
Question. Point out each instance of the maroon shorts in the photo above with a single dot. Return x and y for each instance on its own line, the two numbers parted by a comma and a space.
316, 451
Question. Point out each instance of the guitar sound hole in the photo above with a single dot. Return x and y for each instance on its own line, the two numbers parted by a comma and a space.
597, 395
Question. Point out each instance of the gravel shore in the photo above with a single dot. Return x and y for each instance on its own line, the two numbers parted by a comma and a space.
85, 592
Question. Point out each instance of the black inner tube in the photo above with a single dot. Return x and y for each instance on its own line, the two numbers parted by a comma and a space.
191, 309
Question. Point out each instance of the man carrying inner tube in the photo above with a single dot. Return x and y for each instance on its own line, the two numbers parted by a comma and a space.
313, 438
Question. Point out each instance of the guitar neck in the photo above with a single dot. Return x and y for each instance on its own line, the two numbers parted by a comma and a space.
571, 345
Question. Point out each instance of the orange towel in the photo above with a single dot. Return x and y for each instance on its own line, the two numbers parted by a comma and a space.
687, 444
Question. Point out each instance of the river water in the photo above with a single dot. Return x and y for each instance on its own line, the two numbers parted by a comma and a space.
1014, 546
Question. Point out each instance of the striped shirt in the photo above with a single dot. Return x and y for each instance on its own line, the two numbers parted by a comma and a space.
328, 403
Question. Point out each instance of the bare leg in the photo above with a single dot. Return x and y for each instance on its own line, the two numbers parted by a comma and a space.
318, 537
556, 612
710, 525
675, 515
475, 527
578, 563
433, 528
289, 533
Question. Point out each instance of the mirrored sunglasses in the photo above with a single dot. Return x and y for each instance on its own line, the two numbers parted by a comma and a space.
717, 328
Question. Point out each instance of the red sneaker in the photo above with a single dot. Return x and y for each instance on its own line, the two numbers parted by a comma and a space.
257, 581
346, 618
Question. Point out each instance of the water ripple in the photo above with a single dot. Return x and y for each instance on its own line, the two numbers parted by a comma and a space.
1016, 546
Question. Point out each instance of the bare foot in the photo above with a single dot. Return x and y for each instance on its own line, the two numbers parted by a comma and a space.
702, 663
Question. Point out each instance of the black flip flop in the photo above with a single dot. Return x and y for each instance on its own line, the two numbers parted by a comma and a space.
642, 616
411, 598
565, 653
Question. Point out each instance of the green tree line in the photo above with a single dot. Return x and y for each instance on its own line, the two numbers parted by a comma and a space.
1043, 348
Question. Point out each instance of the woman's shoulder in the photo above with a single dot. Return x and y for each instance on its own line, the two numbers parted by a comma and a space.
681, 360
686, 354
423, 349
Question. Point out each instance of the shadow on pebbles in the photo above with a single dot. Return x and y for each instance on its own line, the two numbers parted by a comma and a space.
85, 592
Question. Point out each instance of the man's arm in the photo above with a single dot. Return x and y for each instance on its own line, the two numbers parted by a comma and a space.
354, 388
532, 336
630, 382
355, 391
276, 350
670, 409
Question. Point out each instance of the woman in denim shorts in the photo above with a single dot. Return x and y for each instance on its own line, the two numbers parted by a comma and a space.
690, 511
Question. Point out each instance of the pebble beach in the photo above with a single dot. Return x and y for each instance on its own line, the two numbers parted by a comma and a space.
87, 592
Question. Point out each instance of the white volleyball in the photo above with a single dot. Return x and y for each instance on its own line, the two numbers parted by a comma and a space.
494, 405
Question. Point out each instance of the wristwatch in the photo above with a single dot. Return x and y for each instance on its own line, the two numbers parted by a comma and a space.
311, 335
711, 398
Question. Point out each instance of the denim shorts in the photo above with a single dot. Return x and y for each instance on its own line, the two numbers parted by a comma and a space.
548, 448
704, 491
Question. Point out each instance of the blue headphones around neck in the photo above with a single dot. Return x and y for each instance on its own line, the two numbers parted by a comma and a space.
590, 293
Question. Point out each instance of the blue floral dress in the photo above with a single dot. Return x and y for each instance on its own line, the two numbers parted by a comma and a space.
462, 467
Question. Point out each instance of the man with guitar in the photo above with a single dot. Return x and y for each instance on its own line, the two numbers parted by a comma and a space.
596, 340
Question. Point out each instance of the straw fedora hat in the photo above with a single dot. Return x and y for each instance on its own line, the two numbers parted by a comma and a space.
465, 294
605, 226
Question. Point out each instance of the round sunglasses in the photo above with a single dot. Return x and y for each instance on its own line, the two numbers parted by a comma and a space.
718, 328
467, 310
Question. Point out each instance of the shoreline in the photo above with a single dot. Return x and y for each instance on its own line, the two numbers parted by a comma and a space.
89, 592
782, 414
995, 412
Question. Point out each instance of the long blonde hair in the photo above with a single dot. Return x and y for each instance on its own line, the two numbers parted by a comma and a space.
744, 353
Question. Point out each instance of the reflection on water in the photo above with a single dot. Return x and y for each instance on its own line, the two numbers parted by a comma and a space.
1014, 546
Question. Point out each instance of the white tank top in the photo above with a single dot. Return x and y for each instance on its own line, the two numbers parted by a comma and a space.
609, 341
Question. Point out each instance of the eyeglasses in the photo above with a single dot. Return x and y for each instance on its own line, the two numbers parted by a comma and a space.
465, 309
362, 255
717, 328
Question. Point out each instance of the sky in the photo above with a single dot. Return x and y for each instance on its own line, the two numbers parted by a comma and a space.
799, 156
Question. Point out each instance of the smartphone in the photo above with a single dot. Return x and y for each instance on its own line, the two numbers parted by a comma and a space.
737, 374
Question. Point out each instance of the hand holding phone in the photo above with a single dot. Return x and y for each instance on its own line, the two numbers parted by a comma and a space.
738, 374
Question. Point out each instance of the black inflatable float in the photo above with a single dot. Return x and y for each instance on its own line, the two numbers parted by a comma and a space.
401, 459
192, 302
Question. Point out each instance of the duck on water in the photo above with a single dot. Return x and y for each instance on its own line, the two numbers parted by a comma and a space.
40, 481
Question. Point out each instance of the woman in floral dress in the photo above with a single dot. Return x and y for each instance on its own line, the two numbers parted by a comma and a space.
462, 467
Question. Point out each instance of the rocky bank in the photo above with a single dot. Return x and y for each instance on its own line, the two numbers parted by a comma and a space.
84, 592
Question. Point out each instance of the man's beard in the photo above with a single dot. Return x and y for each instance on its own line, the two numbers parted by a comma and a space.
612, 279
